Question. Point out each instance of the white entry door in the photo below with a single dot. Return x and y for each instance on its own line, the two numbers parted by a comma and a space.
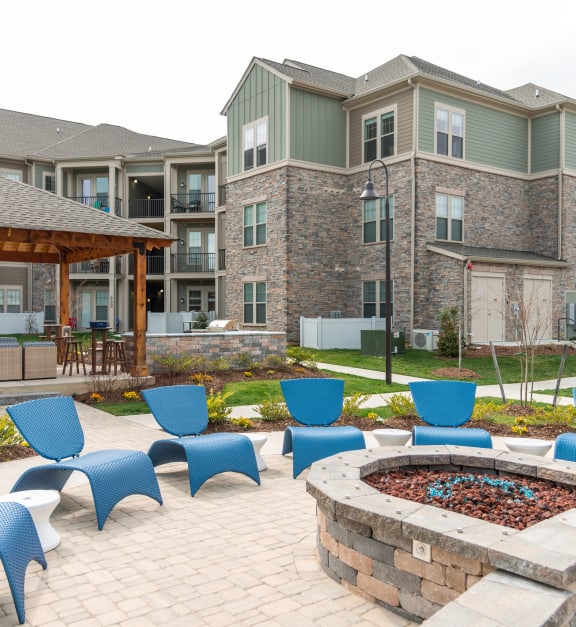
537, 306
487, 308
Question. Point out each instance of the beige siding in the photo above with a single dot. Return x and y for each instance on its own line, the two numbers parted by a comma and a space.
404, 102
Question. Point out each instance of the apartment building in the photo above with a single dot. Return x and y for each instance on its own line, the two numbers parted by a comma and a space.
481, 186
168, 185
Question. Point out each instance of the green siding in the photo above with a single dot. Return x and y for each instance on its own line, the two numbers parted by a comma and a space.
152, 168
570, 140
491, 137
40, 170
546, 142
317, 129
262, 94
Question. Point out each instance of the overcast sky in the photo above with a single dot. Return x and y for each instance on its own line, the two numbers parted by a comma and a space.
168, 67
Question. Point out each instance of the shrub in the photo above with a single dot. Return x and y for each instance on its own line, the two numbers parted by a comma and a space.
243, 423
401, 405
218, 409
351, 406
485, 410
275, 361
9, 434
448, 338
217, 365
273, 409
174, 366
201, 320
561, 414
244, 361
301, 357
520, 427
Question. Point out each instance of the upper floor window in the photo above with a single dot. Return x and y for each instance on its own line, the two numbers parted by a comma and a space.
374, 219
255, 302
255, 224
449, 215
379, 136
10, 300
450, 132
374, 299
50, 182
255, 144
13, 175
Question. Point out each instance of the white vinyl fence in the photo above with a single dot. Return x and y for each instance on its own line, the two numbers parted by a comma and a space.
21, 323
173, 322
324, 333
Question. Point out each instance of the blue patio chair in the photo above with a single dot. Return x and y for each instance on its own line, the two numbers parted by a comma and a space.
316, 403
446, 405
565, 447
52, 428
574, 396
19, 545
182, 411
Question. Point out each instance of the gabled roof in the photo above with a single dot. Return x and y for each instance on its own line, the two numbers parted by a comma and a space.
33, 136
36, 225
462, 252
535, 96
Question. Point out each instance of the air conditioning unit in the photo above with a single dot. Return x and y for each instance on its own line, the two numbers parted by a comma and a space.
424, 339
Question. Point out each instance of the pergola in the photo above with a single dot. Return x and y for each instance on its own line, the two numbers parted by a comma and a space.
39, 227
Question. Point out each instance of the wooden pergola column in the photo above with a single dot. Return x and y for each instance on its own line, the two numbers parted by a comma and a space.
140, 369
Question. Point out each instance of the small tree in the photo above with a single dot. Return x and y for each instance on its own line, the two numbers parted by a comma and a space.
449, 339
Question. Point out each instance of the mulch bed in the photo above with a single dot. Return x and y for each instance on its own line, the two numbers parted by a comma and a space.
515, 502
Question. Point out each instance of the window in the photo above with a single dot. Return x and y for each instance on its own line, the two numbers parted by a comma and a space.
49, 306
374, 299
50, 183
255, 224
255, 303
374, 229
255, 144
449, 215
450, 132
379, 136
10, 300
12, 175
101, 304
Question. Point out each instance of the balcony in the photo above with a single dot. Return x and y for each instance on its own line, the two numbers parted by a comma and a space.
100, 201
96, 266
146, 208
154, 264
193, 202
222, 259
193, 262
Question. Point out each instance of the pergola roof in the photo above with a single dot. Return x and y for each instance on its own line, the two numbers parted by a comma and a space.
39, 227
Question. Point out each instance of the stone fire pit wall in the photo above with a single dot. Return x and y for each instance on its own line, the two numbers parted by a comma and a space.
421, 561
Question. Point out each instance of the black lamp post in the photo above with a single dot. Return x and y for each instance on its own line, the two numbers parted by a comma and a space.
369, 193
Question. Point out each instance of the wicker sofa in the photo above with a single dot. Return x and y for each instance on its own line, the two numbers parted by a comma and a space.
39, 360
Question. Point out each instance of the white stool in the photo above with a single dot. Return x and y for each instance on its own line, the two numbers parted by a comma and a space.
258, 441
40, 504
391, 437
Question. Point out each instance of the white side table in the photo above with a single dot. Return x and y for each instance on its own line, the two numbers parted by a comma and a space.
530, 446
40, 504
391, 437
258, 440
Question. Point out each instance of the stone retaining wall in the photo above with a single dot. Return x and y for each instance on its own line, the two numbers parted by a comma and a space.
413, 558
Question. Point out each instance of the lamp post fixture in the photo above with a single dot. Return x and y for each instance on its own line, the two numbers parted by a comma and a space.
369, 193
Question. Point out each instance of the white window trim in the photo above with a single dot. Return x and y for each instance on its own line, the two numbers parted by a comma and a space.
254, 303
253, 126
380, 204
254, 224
451, 110
378, 115
17, 288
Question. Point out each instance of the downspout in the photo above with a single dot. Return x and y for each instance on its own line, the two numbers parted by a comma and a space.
413, 192
467, 270
561, 178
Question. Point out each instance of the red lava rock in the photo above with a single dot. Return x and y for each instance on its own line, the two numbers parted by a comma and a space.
512, 501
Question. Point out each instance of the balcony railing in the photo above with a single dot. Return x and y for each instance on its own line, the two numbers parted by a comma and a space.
222, 259
96, 266
146, 208
193, 262
193, 202
100, 201
154, 264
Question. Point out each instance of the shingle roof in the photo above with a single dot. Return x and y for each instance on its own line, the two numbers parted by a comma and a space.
26, 135
25, 207
493, 255
535, 96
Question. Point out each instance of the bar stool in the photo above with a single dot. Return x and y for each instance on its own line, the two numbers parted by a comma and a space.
74, 354
114, 353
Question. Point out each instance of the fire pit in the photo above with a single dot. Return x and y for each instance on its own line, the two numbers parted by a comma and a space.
415, 558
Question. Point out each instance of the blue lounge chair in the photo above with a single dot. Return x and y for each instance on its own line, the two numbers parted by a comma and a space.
446, 405
182, 411
52, 428
565, 447
19, 545
316, 403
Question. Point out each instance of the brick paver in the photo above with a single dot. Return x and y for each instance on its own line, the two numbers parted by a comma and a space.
235, 554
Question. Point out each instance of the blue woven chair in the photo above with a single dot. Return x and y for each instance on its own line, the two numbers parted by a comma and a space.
446, 405
565, 447
316, 403
19, 545
52, 428
182, 411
